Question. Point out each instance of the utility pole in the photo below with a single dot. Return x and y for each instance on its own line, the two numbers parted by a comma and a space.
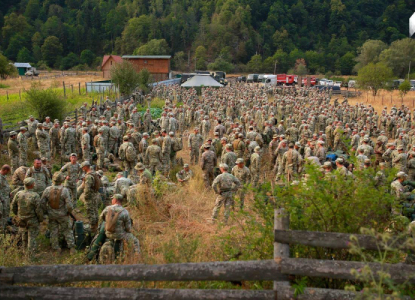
275, 66
409, 71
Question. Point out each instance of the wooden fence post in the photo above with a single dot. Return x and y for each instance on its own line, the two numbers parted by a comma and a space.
281, 220
79, 87
7, 93
72, 89
64, 89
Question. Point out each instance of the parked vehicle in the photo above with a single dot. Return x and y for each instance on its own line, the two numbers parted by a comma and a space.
241, 79
351, 84
260, 77
269, 80
286, 79
32, 72
412, 82
338, 83
313, 81
252, 78
335, 89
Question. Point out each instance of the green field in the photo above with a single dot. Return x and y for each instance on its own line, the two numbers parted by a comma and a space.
13, 108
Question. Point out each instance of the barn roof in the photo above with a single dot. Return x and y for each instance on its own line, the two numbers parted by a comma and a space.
22, 65
117, 59
201, 80
147, 56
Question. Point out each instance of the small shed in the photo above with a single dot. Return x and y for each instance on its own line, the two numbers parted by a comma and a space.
157, 65
22, 68
107, 63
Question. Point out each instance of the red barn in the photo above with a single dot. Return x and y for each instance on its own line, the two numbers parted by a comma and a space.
107, 62
157, 65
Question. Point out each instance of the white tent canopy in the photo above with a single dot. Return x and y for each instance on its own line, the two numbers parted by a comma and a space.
201, 80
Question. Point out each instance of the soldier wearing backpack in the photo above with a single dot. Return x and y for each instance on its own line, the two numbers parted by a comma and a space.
176, 146
118, 224
91, 196
127, 154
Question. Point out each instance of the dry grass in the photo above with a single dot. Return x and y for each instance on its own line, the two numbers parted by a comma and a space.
19, 84
384, 98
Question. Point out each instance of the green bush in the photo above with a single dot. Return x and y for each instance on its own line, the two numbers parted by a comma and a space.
45, 102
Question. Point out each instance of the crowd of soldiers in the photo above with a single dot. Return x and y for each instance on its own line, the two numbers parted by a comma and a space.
236, 134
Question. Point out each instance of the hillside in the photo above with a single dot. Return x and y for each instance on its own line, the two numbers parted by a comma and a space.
69, 33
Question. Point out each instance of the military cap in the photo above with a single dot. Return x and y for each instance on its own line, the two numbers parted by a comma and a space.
251, 127
196, 128
85, 164
73, 155
320, 142
156, 132
282, 136
284, 141
30, 117
100, 173
125, 138
275, 136
171, 133
23, 128
239, 160
139, 166
327, 164
96, 121
206, 146
118, 197
382, 164
100, 130
257, 149
401, 174
216, 133
145, 134
58, 177
367, 161
39, 125
340, 160
29, 181
223, 166
43, 158
240, 135
365, 139
298, 144
400, 147
185, 165
228, 146
209, 139
12, 133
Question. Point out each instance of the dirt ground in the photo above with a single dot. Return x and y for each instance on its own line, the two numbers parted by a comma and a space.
19, 84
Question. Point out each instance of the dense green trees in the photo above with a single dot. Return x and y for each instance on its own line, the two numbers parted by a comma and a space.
374, 76
325, 33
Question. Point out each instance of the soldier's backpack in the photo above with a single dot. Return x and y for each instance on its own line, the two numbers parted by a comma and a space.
177, 144
54, 197
130, 154
97, 182
95, 140
111, 220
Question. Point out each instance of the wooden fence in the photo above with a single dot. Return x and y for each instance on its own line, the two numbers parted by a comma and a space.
276, 270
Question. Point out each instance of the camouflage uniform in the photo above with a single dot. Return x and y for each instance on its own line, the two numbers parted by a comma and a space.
86, 144
244, 176
255, 168
73, 171
184, 175
208, 163
68, 140
224, 185
290, 163
58, 203
114, 135
92, 199
165, 151
128, 155
42, 179
4, 200
23, 146
27, 206
101, 150
400, 162
230, 159
123, 226
13, 153
195, 142
153, 158
43, 142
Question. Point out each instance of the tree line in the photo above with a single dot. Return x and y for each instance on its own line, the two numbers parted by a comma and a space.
231, 35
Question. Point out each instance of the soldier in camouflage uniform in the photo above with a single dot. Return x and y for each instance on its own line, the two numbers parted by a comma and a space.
208, 163
114, 136
86, 144
400, 160
4, 196
23, 146
118, 216
153, 157
165, 151
147, 120
194, 143
32, 125
239, 146
230, 157
58, 203
41, 176
142, 147
184, 175
141, 190
54, 134
255, 166
290, 162
13, 149
224, 186
127, 154
26, 205
242, 173
100, 149
68, 140
17, 179
42, 141
91, 196
72, 170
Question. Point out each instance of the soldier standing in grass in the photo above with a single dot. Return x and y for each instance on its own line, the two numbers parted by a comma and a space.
13, 149
224, 186
208, 163
23, 146
58, 203
4, 196
73, 172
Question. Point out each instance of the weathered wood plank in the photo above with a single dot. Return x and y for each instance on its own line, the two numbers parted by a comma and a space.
281, 222
222, 271
338, 269
64, 293
331, 240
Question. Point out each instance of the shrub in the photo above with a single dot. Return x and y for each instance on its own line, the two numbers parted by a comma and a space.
45, 102
125, 77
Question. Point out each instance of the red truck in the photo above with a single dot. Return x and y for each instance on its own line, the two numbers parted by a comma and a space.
286, 79
312, 81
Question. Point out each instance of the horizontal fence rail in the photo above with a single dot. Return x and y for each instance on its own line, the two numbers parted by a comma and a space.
335, 240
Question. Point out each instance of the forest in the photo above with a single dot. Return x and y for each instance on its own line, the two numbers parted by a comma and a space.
233, 35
